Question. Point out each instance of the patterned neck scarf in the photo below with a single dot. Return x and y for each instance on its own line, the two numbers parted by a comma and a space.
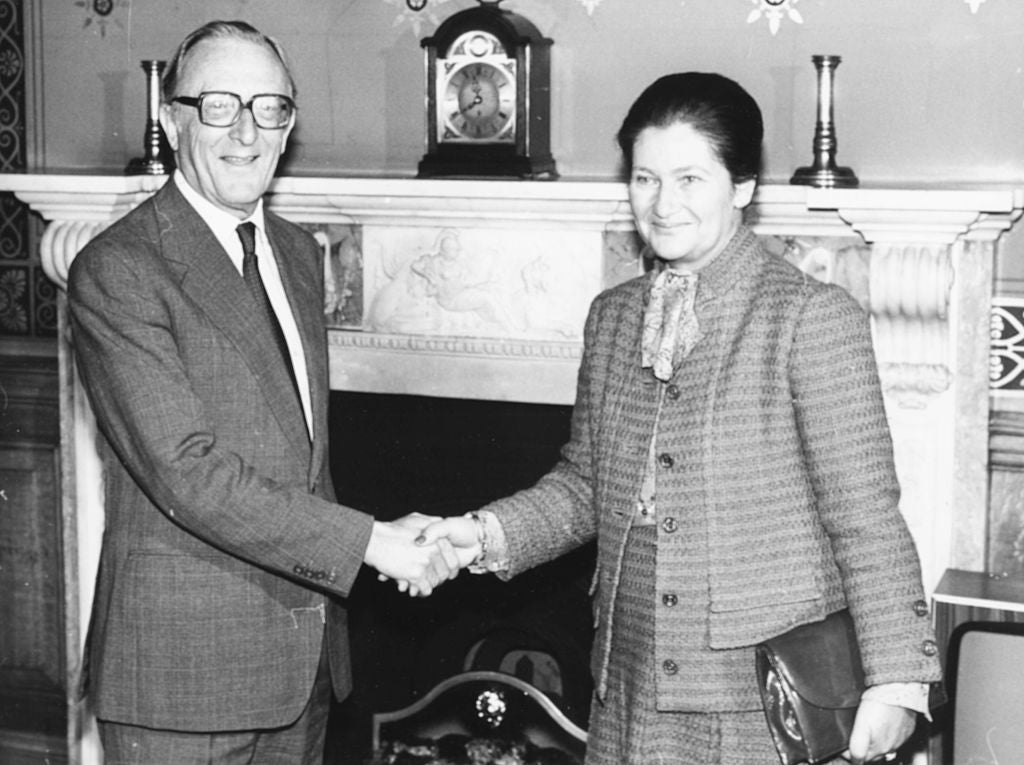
670, 322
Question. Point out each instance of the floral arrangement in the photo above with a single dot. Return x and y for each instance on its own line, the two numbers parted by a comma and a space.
455, 749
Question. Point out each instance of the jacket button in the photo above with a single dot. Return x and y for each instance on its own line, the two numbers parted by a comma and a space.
928, 648
920, 608
665, 460
669, 525
670, 599
673, 392
670, 667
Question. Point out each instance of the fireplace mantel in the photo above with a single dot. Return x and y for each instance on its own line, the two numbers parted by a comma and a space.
478, 289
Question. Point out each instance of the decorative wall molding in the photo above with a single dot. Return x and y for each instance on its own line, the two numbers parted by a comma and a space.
99, 15
775, 12
510, 370
458, 346
912, 325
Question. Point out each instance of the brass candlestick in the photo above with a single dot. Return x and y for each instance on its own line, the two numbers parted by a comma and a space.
824, 173
151, 163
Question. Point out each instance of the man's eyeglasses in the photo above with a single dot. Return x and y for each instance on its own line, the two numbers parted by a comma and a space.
270, 111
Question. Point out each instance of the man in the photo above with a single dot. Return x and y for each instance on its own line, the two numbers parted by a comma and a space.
217, 630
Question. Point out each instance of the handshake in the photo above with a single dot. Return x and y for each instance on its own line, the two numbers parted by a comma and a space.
419, 552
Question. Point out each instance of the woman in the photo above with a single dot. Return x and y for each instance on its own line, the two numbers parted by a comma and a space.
730, 453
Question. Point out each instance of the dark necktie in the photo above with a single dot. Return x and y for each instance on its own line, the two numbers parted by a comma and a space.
251, 274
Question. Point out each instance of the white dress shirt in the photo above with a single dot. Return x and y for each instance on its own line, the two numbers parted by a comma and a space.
224, 226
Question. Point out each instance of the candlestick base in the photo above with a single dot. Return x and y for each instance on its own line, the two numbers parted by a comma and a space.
825, 177
145, 166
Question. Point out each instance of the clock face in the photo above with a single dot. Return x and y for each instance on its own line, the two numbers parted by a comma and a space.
478, 103
488, 97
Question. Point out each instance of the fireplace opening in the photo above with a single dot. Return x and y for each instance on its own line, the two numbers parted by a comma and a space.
394, 454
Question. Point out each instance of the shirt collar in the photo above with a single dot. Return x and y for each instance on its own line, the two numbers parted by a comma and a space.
220, 221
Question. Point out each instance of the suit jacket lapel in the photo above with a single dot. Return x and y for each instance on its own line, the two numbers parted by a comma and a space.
212, 281
305, 296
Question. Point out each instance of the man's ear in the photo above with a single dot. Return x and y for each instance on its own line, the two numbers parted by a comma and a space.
287, 133
169, 126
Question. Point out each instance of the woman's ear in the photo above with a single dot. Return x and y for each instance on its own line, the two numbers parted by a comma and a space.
743, 193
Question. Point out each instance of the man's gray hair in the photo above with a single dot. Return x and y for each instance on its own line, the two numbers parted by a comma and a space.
238, 30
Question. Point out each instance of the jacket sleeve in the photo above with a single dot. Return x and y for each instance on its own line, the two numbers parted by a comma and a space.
557, 515
848, 449
127, 316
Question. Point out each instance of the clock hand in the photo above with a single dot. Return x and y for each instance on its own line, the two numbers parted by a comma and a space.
476, 100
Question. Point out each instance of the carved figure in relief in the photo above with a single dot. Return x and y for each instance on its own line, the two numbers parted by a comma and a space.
402, 304
539, 312
466, 293
343, 260
448, 289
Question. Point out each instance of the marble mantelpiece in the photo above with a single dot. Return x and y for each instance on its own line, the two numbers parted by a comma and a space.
478, 289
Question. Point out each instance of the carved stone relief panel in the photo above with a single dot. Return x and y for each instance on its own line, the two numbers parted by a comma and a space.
479, 282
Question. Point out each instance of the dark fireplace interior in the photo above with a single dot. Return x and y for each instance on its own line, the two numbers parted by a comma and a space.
392, 455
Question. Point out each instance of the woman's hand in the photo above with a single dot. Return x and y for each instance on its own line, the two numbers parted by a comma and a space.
455, 538
395, 551
878, 730
460, 532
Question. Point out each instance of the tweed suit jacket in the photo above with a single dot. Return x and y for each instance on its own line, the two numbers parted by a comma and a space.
223, 553
793, 454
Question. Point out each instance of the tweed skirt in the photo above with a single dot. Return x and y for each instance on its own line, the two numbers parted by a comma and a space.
627, 728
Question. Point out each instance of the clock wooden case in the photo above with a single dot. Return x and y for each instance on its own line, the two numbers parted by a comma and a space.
488, 74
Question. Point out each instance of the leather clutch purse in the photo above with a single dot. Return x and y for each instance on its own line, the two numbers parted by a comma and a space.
811, 682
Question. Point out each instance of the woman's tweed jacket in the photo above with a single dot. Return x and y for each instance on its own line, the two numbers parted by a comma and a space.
796, 463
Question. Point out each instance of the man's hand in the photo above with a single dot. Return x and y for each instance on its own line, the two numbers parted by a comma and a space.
461, 533
878, 730
418, 568
432, 530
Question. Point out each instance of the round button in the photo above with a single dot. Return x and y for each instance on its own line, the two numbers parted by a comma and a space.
665, 460
669, 525
670, 667
673, 392
928, 648
920, 608
670, 599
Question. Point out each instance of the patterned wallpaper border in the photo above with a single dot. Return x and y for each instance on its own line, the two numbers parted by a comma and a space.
771, 12
101, 16
28, 300
1006, 354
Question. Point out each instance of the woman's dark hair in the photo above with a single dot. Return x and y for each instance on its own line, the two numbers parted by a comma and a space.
238, 30
715, 106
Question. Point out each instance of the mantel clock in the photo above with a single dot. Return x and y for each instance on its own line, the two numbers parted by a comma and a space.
488, 97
